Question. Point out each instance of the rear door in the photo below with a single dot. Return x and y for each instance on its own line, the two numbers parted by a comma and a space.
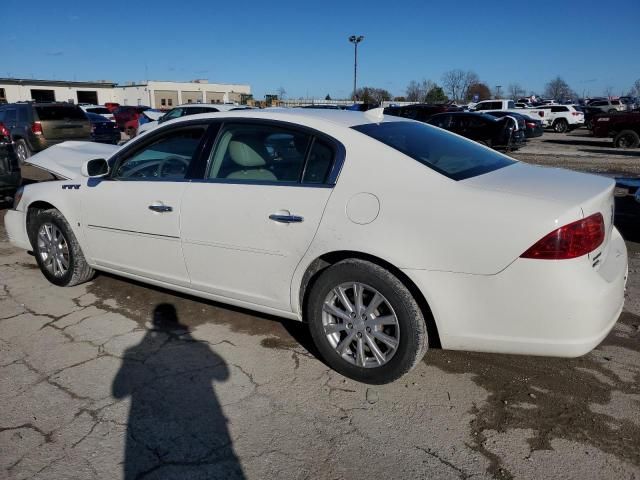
246, 227
63, 122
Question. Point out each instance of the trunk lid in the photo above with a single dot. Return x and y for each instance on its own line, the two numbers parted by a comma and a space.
65, 159
569, 191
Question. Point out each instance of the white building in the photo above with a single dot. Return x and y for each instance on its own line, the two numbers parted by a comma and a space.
155, 94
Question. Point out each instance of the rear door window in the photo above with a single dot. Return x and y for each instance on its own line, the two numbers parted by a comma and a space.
259, 154
449, 155
59, 112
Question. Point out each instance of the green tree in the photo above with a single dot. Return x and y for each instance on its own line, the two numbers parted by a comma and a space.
373, 95
436, 95
328, 97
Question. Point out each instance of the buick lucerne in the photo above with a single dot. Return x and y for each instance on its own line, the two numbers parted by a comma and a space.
385, 235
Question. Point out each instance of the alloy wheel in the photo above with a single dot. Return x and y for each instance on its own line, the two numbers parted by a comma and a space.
53, 249
360, 325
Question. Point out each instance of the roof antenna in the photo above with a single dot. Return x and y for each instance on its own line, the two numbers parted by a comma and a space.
375, 114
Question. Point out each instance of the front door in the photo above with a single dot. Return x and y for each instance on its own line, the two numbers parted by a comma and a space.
248, 225
131, 220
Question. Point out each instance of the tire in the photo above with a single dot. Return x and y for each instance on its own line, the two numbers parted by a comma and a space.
560, 125
408, 333
22, 151
65, 246
613, 110
627, 139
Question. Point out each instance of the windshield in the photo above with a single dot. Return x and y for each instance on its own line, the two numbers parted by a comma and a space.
99, 110
448, 154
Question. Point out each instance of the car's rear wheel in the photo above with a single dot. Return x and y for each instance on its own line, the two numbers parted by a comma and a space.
560, 125
22, 151
627, 139
57, 250
365, 322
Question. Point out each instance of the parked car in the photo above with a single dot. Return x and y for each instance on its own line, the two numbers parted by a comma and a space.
510, 106
10, 178
563, 118
448, 241
627, 199
420, 111
103, 130
607, 106
189, 109
100, 110
498, 133
630, 103
111, 106
532, 127
126, 116
623, 127
36, 126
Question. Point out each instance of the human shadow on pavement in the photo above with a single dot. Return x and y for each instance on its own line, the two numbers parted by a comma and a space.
176, 428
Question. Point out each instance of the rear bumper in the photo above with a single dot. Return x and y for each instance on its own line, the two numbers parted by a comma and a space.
15, 225
533, 307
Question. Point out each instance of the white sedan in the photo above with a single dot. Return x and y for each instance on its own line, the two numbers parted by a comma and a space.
385, 235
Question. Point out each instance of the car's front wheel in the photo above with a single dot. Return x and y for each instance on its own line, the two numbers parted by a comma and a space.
627, 139
365, 322
57, 250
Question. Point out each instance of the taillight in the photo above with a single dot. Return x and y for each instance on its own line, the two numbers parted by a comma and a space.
571, 241
575, 114
36, 128
4, 131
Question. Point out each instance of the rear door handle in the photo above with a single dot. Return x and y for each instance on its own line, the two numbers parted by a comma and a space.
160, 208
285, 218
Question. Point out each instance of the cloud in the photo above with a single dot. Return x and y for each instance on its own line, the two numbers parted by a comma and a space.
55, 53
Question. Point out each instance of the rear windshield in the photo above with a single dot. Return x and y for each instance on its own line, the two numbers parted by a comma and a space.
448, 154
99, 110
59, 112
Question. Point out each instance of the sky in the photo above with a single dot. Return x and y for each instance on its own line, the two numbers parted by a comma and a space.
302, 46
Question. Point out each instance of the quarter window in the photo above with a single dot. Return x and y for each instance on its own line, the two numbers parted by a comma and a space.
319, 163
168, 158
260, 153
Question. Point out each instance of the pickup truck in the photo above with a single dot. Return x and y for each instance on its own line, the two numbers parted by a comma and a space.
623, 127
510, 106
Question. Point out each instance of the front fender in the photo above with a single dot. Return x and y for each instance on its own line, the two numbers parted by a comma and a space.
65, 196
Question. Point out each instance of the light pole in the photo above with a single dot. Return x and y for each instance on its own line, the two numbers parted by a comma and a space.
498, 87
355, 39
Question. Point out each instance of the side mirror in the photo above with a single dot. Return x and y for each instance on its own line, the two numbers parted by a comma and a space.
97, 167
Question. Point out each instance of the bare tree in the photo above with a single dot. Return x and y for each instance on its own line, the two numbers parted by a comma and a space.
558, 89
413, 91
453, 82
515, 91
635, 89
281, 93
470, 79
608, 91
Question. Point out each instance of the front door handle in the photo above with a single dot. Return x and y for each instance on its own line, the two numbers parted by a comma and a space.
285, 218
160, 208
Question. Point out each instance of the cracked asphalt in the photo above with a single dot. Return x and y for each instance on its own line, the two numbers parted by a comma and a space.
114, 379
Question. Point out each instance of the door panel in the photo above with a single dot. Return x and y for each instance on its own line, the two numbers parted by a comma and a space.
231, 246
124, 234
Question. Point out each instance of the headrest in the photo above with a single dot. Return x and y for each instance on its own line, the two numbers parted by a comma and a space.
247, 152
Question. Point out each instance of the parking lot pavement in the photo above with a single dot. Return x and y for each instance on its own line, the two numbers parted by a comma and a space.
578, 150
114, 379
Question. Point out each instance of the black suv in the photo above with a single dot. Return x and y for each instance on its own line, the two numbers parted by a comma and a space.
9, 168
36, 126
